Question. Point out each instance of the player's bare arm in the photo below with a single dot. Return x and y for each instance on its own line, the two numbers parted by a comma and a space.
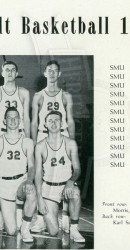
67, 99
25, 99
28, 148
72, 150
36, 106
40, 153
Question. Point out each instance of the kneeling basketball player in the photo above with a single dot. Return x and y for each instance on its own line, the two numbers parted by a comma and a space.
57, 169
16, 156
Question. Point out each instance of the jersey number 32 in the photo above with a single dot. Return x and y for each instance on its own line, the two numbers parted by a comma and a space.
13, 155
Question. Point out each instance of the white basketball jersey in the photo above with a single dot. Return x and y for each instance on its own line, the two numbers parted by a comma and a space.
52, 103
10, 101
57, 167
13, 161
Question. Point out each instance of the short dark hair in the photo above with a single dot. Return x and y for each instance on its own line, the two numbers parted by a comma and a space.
10, 62
53, 62
10, 109
53, 112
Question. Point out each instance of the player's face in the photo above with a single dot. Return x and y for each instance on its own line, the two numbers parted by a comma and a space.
9, 72
52, 73
53, 123
12, 120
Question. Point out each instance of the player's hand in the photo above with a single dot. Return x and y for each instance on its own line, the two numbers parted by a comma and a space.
69, 190
42, 207
29, 187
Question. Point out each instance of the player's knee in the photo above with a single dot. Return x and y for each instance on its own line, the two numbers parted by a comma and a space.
76, 195
53, 231
11, 230
52, 227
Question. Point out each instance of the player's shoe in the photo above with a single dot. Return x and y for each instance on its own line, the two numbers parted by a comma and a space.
25, 232
75, 234
65, 223
38, 224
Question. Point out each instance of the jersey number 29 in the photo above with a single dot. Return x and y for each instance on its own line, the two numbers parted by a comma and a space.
53, 106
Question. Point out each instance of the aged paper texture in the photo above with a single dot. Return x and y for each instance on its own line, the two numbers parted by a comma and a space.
94, 36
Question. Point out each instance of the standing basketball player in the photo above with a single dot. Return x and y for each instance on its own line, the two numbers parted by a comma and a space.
52, 98
16, 155
57, 158
13, 96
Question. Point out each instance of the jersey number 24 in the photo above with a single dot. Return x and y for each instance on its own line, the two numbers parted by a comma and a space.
54, 161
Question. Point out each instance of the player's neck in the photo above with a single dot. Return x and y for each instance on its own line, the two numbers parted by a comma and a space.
52, 87
9, 86
12, 134
55, 139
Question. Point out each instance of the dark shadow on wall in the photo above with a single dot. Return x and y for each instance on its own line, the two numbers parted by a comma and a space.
85, 141
40, 83
1, 80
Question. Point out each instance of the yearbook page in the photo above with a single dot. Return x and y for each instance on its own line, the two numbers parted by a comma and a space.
67, 59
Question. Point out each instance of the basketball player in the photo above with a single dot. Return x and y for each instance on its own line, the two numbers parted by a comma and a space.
16, 155
13, 96
57, 169
52, 98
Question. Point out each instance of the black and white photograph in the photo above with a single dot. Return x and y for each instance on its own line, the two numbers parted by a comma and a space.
65, 124
47, 152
